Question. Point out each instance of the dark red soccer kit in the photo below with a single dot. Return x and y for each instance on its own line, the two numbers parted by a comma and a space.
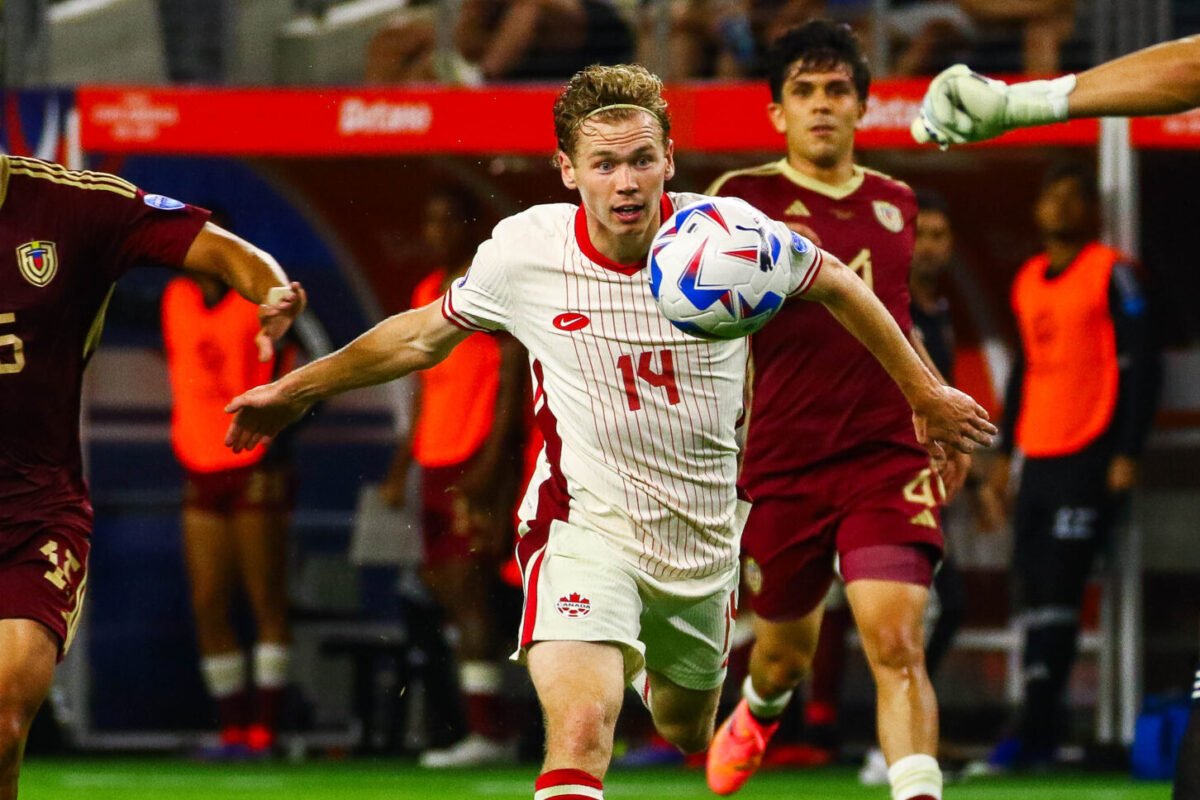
65, 237
832, 463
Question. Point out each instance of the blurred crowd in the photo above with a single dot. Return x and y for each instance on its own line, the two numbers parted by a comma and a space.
506, 40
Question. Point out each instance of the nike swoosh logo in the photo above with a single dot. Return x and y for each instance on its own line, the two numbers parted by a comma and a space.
571, 322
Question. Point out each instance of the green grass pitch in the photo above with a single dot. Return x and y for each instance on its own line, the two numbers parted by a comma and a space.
172, 779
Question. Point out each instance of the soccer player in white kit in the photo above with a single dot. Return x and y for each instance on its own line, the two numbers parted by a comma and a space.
631, 522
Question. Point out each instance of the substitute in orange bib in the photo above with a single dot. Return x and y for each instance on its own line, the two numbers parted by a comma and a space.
466, 437
235, 508
1078, 406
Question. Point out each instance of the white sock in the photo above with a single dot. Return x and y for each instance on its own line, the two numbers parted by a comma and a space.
480, 677
271, 665
915, 776
764, 708
224, 674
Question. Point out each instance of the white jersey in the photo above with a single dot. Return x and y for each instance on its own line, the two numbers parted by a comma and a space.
639, 418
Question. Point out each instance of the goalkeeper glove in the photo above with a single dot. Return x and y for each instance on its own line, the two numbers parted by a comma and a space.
963, 106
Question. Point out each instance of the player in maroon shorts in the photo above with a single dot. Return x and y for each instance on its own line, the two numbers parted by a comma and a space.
69, 236
831, 461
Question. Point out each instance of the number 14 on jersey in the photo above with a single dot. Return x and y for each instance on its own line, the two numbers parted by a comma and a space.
645, 371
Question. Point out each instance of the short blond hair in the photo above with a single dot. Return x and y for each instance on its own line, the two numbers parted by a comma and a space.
591, 92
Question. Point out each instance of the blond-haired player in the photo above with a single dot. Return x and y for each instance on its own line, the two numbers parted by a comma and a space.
631, 522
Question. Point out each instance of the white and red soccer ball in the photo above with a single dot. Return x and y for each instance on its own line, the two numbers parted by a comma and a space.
720, 268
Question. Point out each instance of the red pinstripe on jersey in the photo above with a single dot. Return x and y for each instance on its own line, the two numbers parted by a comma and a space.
640, 446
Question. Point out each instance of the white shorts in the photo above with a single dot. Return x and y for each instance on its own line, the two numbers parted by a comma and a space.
579, 589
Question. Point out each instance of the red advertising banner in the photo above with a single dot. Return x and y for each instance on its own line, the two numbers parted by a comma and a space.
323, 122
1181, 131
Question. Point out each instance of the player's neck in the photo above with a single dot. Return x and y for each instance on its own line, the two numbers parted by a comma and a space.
834, 174
924, 293
1062, 252
630, 249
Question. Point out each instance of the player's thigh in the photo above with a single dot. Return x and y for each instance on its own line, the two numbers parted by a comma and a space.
28, 654
894, 500
787, 556
579, 589
687, 628
890, 616
43, 581
578, 684
673, 705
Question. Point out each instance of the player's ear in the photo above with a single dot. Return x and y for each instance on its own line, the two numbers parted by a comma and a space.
775, 114
862, 112
670, 158
566, 170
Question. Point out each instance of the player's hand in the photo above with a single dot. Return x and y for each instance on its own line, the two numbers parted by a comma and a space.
284, 304
962, 106
950, 418
1122, 474
953, 470
394, 491
261, 413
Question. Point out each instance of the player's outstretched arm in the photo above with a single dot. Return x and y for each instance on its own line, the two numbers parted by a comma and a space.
1162, 79
941, 414
399, 345
962, 106
255, 275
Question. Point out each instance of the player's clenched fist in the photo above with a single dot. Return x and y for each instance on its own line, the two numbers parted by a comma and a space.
962, 106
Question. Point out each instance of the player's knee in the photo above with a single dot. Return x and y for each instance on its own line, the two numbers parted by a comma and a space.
785, 668
15, 719
585, 729
690, 738
897, 647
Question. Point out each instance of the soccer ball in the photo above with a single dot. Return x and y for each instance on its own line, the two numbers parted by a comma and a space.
720, 269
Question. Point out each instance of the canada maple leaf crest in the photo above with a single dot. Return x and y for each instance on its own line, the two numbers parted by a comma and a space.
574, 605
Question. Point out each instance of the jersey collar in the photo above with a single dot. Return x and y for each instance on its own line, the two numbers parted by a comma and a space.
838, 192
590, 250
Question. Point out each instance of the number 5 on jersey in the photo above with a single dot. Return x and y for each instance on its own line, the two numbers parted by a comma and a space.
662, 378
12, 349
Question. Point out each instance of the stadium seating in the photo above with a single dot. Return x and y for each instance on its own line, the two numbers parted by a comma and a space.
332, 48
110, 41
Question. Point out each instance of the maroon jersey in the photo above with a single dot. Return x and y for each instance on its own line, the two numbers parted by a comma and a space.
65, 237
819, 395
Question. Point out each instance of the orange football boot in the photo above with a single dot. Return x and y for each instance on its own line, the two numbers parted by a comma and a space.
737, 750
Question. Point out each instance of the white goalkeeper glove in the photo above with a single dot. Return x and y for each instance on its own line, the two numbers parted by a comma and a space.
962, 106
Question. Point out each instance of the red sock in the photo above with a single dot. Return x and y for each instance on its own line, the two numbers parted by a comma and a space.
568, 784
267, 704
487, 715
231, 714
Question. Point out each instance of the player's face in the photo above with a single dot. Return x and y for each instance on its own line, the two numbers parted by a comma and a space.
442, 229
934, 244
1063, 210
818, 113
620, 169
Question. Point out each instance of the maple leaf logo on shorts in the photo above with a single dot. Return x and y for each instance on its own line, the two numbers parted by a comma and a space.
574, 606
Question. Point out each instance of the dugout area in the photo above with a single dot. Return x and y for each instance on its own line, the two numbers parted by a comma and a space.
331, 182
